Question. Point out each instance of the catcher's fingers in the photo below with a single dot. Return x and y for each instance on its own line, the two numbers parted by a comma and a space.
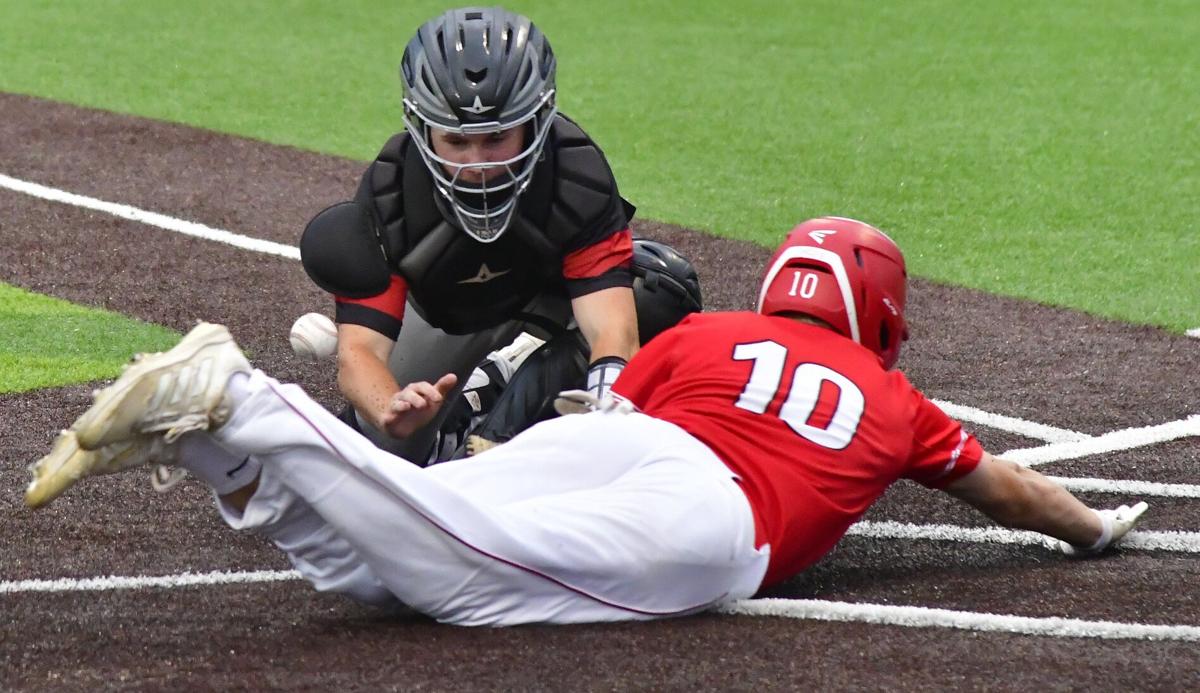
446, 383
408, 399
422, 394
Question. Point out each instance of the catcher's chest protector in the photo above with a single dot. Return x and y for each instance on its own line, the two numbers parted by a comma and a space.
461, 285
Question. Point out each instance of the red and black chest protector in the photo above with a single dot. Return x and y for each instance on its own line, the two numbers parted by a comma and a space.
461, 285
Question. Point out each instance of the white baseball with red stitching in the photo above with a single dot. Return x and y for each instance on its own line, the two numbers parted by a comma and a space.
314, 337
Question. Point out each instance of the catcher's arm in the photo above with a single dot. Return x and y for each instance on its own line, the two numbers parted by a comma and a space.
608, 320
364, 377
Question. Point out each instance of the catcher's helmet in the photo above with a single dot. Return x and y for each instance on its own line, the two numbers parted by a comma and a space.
479, 70
665, 287
846, 273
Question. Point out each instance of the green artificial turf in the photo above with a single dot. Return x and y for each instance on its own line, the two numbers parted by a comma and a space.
1045, 150
45, 342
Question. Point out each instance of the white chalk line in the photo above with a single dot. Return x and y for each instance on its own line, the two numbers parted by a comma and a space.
1115, 441
188, 228
1140, 540
808, 609
1182, 542
1029, 429
1194, 333
114, 582
924, 617
1149, 489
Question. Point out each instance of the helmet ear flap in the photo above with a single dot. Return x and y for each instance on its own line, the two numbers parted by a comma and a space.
885, 283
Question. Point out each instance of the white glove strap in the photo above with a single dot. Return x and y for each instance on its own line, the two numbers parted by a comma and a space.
575, 402
1106, 532
581, 402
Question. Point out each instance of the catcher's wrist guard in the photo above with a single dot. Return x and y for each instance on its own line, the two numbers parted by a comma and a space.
603, 373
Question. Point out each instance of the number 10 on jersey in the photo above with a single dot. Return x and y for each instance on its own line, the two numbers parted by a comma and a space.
808, 384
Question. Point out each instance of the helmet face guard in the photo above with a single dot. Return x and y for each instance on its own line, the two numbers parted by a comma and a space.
478, 71
845, 273
482, 210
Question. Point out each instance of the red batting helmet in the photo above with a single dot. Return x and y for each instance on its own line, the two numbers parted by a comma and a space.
845, 272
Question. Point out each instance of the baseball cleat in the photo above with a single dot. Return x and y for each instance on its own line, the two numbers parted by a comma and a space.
172, 392
67, 463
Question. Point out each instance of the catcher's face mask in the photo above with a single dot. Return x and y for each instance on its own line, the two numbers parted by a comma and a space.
481, 171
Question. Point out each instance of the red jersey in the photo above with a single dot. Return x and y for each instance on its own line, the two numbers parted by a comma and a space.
811, 423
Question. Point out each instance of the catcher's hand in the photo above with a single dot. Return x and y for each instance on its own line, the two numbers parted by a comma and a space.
415, 405
1116, 524
582, 402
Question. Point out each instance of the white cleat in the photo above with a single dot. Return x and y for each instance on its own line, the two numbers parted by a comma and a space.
173, 392
67, 463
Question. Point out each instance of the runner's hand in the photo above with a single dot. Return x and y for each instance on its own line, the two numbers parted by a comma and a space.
1116, 524
582, 402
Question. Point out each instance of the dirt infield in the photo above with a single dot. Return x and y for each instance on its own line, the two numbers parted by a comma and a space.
1021, 360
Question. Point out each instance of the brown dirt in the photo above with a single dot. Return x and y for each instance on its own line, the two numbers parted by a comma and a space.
1024, 360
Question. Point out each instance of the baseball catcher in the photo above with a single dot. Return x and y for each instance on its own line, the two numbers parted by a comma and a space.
492, 214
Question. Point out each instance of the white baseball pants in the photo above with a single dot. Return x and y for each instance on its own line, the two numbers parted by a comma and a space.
592, 517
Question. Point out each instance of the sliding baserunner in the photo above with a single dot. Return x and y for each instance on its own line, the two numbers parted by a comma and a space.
738, 449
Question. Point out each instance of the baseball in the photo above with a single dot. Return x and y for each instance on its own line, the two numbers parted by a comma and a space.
314, 337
